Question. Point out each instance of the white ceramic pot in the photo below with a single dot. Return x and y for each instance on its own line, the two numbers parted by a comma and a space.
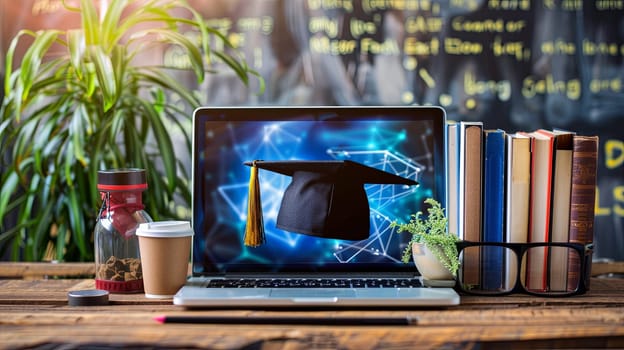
429, 265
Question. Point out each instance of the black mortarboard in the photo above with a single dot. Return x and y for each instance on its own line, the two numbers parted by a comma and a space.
324, 198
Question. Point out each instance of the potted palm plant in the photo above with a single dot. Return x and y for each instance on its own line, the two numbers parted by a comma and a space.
65, 117
431, 246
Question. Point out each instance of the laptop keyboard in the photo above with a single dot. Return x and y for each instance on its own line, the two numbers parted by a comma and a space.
316, 283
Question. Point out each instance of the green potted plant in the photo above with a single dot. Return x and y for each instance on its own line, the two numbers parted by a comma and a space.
433, 249
65, 117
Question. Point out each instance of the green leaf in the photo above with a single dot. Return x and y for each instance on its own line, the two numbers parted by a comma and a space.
61, 239
90, 22
236, 66
29, 213
183, 124
23, 162
93, 179
205, 32
8, 65
14, 231
69, 164
191, 49
155, 76
120, 63
110, 33
41, 229
33, 57
132, 146
10, 182
77, 131
77, 221
90, 78
154, 12
75, 42
4, 128
163, 140
52, 146
185, 190
104, 71
261, 82
69, 7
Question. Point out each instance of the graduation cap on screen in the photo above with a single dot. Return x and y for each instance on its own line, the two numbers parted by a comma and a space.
324, 198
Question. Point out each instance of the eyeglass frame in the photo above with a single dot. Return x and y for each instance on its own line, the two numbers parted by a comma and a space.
585, 252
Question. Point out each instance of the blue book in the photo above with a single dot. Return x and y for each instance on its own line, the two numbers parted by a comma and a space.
493, 207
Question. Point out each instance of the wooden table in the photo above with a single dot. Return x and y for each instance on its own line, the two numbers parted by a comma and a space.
34, 314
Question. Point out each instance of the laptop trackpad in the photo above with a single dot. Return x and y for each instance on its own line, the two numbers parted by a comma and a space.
310, 294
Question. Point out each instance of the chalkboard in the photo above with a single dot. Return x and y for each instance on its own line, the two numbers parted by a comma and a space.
513, 64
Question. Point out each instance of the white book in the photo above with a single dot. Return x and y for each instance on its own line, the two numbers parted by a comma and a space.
452, 149
562, 187
517, 189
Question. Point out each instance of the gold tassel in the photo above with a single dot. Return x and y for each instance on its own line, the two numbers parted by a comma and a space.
254, 229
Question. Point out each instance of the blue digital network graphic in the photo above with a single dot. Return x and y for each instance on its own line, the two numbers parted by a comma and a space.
401, 148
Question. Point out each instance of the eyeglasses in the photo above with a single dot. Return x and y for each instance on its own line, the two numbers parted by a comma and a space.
541, 269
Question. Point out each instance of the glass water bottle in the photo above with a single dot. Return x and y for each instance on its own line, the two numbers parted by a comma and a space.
117, 258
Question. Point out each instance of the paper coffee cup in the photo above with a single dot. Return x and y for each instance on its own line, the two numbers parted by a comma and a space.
165, 248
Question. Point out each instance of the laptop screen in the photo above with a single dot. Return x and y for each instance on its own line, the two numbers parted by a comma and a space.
406, 141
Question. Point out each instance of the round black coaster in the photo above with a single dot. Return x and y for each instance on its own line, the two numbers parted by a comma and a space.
89, 297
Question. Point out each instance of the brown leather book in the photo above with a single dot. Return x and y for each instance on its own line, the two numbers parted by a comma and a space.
582, 199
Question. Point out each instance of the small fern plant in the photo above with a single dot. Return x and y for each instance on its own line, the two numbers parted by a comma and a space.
432, 232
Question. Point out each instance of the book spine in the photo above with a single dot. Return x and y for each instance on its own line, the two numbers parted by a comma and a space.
452, 209
517, 197
560, 217
540, 210
582, 199
493, 207
518, 188
471, 192
494, 173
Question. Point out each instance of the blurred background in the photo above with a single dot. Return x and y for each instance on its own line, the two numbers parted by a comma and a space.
517, 65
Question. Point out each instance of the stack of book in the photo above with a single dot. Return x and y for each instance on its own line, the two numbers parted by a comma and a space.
519, 187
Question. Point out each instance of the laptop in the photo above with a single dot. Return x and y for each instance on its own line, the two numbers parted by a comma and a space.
299, 268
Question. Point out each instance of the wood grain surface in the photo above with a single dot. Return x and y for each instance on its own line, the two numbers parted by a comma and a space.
34, 314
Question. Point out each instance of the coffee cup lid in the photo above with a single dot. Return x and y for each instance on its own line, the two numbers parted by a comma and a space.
165, 229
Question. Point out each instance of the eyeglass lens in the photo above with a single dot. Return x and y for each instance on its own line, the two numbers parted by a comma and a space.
548, 270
